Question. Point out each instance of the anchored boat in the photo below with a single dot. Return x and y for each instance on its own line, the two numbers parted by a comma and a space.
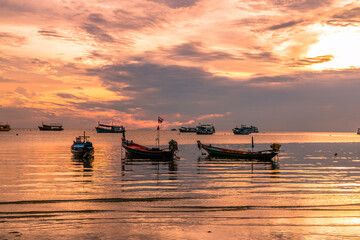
245, 130
105, 128
265, 155
5, 127
51, 127
205, 129
187, 129
137, 151
82, 148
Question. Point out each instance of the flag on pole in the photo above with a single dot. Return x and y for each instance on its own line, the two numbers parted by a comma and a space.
160, 120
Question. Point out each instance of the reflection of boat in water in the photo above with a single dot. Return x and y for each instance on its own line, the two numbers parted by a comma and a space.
234, 162
5, 127
265, 155
51, 127
86, 162
245, 130
105, 128
81, 148
136, 151
205, 129
187, 129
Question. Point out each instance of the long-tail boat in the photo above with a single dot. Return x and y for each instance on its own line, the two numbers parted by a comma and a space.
265, 155
51, 127
105, 128
5, 127
137, 151
82, 148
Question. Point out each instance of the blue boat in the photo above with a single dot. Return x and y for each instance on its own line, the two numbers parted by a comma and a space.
105, 128
82, 148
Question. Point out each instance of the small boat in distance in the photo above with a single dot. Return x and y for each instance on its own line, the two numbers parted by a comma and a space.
105, 128
187, 129
358, 131
82, 148
51, 127
5, 127
245, 130
265, 155
205, 129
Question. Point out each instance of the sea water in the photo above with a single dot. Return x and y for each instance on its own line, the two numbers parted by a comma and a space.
312, 191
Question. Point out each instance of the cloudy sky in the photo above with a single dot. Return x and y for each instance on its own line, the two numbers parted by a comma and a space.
282, 65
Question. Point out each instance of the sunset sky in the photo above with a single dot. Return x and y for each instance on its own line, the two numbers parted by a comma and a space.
282, 65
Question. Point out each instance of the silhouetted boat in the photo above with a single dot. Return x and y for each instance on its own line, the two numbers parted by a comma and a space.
137, 151
205, 129
265, 155
5, 127
187, 129
105, 128
82, 148
51, 127
245, 130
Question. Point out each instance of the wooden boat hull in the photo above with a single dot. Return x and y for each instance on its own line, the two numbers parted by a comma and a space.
50, 129
228, 153
136, 151
82, 153
102, 130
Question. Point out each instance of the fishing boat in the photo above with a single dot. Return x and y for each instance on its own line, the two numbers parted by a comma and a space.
5, 127
105, 128
82, 148
136, 151
205, 129
245, 130
187, 129
51, 127
265, 155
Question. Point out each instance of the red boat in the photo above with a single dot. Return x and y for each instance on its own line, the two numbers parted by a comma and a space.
265, 155
137, 151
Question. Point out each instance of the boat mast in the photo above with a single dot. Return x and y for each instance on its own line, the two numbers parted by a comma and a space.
252, 143
158, 136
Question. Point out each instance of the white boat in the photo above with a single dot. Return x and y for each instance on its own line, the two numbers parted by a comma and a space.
205, 129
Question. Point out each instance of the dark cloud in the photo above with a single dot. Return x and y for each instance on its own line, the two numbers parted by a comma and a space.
97, 18
11, 39
25, 92
276, 79
264, 56
50, 33
284, 25
70, 96
193, 92
350, 17
126, 20
301, 5
98, 33
315, 60
195, 51
10, 80
177, 3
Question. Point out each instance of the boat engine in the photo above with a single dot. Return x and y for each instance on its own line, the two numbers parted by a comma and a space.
275, 147
173, 145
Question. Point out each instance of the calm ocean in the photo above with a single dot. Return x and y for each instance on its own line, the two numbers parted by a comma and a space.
312, 192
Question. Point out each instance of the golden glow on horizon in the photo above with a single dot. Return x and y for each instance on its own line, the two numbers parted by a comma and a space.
340, 42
